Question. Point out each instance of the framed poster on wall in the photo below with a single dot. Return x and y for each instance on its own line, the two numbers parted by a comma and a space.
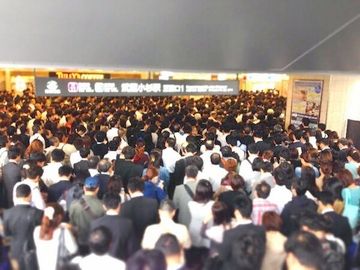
306, 101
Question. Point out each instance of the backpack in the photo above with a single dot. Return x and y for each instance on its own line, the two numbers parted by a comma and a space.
72, 194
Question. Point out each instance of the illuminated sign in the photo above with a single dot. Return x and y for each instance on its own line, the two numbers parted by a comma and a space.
115, 87
79, 76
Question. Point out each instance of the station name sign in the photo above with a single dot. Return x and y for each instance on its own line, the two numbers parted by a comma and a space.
116, 87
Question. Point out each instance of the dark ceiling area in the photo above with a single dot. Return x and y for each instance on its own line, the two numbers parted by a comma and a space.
200, 35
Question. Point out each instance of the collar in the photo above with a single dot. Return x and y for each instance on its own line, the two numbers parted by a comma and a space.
136, 194
242, 222
327, 210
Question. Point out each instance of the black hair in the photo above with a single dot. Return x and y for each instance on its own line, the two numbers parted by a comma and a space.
23, 191
14, 152
100, 136
57, 155
84, 152
128, 152
93, 162
243, 204
300, 185
34, 171
135, 184
100, 240
37, 157
326, 197
191, 171
263, 190
168, 244
215, 158
145, 259
203, 192
65, 170
111, 200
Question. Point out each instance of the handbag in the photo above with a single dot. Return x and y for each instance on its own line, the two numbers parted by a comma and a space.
63, 257
351, 211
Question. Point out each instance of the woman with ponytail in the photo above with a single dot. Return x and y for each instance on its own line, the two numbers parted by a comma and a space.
50, 235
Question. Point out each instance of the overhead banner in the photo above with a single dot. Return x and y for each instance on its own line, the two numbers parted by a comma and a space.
306, 101
116, 87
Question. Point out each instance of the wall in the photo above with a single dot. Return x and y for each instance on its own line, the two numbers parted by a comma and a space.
343, 102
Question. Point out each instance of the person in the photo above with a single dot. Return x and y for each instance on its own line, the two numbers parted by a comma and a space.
19, 223
123, 242
260, 203
275, 240
243, 231
84, 210
145, 259
140, 210
56, 190
104, 168
303, 251
33, 174
215, 172
351, 197
298, 205
169, 155
82, 166
173, 251
126, 168
50, 234
100, 147
99, 242
153, 186
51, 171
11, 173
199, 208
340, 226
167, 225
185, 193
141, 157
215, 225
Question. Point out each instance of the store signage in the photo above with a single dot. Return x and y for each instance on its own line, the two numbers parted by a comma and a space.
79, 76
114, 87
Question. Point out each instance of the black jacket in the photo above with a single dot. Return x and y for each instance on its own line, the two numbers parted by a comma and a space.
127, 169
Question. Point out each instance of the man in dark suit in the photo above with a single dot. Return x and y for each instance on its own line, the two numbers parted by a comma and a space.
12, 173
140, 210
126, 168
177, 177
339, 225
56, 190
123, 238
82, 167
104, 168
242, 212
19, 224
100, 147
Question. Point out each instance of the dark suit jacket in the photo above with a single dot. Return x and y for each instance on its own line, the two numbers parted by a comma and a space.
142, 212
340, 227
127, 169
99, 149
81, 166
11, 175
103, 182
123, 243
56, 190
19, 223
239, 232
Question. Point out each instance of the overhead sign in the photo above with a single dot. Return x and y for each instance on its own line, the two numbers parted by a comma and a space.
114, 87
80, 76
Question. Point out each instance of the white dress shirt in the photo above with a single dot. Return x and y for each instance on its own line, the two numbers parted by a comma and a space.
36, 198
169, 157
112, 133
51, 173
215, 174
280, 196
94, 261
75, 158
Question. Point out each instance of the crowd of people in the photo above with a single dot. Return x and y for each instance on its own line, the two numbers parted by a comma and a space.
173, 183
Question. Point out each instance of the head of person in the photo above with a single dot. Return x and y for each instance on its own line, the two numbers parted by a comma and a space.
100, 240
65, 172
303, 251
57, 155
209, 145
272, 221
203, 191
84, 152
100, 136
14, 153
315, 223
34, 172
53, 216
334, 186
111, 201
345, 177
237, 182
135, 184
113, 145
104, 166
115, 184
247, 252
169, 245
145, 259
35, 146
191, 171
262, 190
23, 193
220, 213
38, 158
325, 200
215, 159
167, 209
299, 186
283, 173
170, 142
242, 206
91, 185
128, 152
93, 162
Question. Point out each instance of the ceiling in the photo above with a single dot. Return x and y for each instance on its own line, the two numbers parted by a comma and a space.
201, 35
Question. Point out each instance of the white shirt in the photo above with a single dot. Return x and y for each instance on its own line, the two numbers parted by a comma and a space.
75, 158
37, 136
95, 262
93, 172
36, 198
112, 133
169, 157
50, 175
215, 174
47, 250
206, 158
4, 156
111, 155
246, 170
239, 152
153, 233
280, 196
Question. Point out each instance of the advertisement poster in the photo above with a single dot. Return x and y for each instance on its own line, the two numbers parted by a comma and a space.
306, 101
